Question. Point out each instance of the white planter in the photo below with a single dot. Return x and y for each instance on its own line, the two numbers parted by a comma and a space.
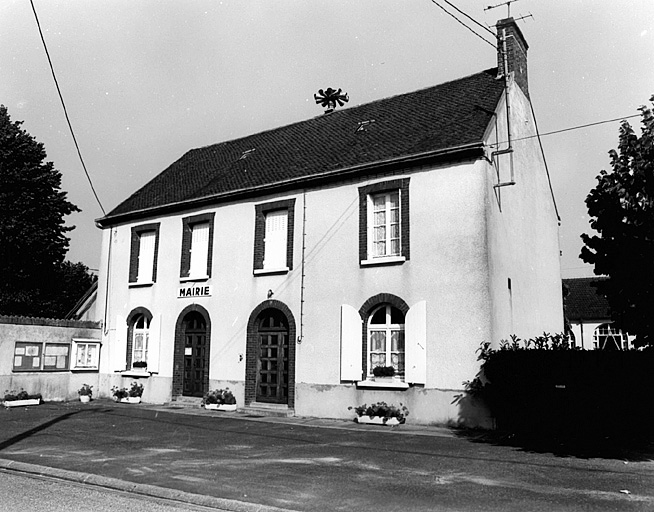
21, 403
220, 407
129, 400
85, 398
377, 420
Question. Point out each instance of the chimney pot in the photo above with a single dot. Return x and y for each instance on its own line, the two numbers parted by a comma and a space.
512, 53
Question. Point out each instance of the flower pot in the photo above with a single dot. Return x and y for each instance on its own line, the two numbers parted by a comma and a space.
21, 403
85, 398
377, 420
131, 400
220, 407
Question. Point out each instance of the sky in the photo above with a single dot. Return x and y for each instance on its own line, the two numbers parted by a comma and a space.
144, 81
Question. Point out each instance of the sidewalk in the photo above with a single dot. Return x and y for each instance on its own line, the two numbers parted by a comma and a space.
245, 463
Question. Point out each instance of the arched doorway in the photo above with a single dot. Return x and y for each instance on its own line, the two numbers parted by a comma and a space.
271, 347
191, 365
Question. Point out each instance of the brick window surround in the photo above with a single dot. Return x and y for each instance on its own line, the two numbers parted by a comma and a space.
260, 230
252, 350
130, 331
187, 232
367, 308
135, 247
178, 351
402, 185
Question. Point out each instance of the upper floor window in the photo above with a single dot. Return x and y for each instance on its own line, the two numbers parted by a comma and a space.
273, 236
143, 254
197, 246
384, 222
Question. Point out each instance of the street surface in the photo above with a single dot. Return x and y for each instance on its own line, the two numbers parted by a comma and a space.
320, 465
39, 494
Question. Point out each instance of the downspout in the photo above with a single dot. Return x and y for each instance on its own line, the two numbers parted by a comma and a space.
509, 149
106, 291
300, 338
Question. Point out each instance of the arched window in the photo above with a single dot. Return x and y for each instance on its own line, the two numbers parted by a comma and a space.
386, 339
607, 337
140, 338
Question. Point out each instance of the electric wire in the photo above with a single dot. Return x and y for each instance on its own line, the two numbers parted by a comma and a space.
470, 18
63, 104
578, 127
466, 26
547, 170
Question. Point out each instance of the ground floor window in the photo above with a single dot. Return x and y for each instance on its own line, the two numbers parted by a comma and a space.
386, 339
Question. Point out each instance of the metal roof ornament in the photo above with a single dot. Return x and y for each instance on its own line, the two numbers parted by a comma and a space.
329, 98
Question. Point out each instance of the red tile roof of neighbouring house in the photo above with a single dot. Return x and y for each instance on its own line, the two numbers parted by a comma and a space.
447, 119
583, 302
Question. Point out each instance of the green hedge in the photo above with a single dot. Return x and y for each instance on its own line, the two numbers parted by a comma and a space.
568, 391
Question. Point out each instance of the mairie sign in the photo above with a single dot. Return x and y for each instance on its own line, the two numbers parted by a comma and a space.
194, 291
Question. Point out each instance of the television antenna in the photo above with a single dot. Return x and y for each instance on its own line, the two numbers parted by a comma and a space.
508, 7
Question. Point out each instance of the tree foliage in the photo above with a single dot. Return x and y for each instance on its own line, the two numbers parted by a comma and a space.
34, 279
621, 207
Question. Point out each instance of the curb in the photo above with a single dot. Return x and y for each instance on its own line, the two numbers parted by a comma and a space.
222, 504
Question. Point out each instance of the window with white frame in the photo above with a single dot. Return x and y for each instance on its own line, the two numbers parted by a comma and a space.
140, 338
87, 354
607, 337
384, 222
143, 256
386, 339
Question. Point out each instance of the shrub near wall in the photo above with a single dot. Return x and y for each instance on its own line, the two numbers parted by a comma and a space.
544, 387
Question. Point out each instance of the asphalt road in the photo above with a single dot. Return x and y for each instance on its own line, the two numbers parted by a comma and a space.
319, 465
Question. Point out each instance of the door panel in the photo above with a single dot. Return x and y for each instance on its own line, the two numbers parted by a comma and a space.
195, 355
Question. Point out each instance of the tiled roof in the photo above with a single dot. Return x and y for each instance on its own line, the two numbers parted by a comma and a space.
583, 301
445, 116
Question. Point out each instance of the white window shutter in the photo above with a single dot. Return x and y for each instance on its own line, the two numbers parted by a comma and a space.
351, 344
146, 257
154, 343
415, 326
275, 239
199, 249
118, 349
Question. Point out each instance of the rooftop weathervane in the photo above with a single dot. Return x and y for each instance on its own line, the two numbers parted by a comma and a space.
329, 98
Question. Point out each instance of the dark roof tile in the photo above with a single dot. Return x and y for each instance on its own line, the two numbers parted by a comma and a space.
583, 302
436, 118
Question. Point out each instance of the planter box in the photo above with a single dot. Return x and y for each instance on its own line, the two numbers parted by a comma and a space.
85, 398
377, 420
220, 407
21, 403
129, 400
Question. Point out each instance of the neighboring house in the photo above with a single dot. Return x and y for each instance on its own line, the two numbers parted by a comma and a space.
286, 265
48, 356
589, 315
84, 309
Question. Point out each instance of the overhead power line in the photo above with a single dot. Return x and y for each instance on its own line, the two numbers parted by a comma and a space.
470, 18
466, 26
63, 104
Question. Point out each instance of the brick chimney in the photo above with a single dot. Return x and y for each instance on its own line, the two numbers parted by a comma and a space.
512, 52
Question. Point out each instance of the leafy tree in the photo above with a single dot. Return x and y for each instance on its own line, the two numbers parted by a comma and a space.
621, 207
33, 240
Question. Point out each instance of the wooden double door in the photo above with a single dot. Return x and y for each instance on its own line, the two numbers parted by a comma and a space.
273, 357
196, 355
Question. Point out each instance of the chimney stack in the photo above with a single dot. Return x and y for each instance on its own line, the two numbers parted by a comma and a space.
512, 53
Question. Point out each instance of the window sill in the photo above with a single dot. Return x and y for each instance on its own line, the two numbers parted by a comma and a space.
193, 279
135, 373
141, 285
267, 271
391, 384
388, 260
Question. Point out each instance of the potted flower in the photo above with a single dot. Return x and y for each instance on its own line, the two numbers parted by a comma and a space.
140, 366
381, 413
85, 393
128, 396
21, 398
219, 400
383, 373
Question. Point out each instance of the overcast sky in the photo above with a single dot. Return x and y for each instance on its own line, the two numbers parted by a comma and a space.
144, 81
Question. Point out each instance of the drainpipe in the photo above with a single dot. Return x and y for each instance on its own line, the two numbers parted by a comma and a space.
300, 338
509, 149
